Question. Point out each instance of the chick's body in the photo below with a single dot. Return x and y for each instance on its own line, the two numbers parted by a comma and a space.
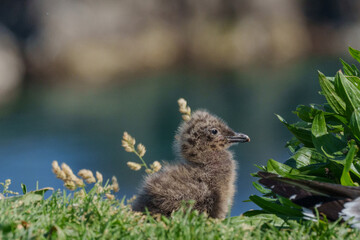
205, 175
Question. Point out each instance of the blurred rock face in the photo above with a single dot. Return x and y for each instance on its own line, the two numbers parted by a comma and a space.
259, 33
97, 40
11, 65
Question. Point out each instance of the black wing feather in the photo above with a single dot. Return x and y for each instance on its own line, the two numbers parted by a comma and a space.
328, 198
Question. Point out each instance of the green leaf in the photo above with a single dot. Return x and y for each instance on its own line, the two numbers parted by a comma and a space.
355, 54
31, 198
23, 187
317, 169
293, 145
252, 213
355, 124
340, 165
338, 119
325, 142
287, 202
306, 113
348, 92
335, 128
42, 191
272, 207
280, 168
261, 188
305, 156
355, 69
345, 177
331, 79
355, 80
301, 131
309, 177
262, 168
318, 128
328, 89
356, 164
347, 68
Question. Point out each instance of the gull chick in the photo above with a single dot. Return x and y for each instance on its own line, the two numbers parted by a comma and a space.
206, 173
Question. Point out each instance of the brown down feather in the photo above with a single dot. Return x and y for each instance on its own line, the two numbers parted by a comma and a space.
206, 173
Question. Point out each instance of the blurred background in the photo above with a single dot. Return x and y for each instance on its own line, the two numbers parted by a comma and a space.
76, 74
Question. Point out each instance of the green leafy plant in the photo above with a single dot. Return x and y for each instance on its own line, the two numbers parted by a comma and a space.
325, 143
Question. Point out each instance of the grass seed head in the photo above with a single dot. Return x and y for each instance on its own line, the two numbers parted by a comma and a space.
7, 182
128, 142
141, 149
109, 196
12, 192
99, 189
184, 109
70, 185
115, 184
99, 177
6, 190
68, 172
186, 117
127, 146
182, 103
131, 200
156, 166
87, 175
79, 182
57, 171
80, 194
134, 166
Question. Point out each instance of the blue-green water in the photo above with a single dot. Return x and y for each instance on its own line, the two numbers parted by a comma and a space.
83, 126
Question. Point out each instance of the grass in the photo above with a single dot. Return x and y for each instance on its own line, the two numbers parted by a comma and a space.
91, 215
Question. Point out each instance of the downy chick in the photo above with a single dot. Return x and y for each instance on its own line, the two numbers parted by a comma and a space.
206, 175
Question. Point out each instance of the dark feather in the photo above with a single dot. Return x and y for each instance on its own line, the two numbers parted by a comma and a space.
328, 198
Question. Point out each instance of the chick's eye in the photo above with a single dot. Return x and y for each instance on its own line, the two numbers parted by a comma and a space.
214, 131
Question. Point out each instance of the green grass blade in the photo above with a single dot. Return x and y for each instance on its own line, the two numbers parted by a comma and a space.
23, 187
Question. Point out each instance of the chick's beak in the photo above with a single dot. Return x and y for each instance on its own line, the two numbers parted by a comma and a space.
238, 137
